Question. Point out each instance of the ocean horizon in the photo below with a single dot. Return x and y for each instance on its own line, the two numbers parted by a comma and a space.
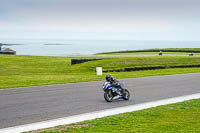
59, 47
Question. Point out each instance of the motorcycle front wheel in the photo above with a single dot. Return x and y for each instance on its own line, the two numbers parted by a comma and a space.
108, 96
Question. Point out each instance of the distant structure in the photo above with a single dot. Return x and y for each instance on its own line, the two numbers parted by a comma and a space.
160, 53
7, 50
191, 54
1, 46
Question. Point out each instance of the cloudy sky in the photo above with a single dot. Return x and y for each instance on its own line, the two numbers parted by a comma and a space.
101, 19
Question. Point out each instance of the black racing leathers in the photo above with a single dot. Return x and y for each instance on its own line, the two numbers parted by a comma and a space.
116, 83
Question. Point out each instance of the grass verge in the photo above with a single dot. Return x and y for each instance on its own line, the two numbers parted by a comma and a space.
22, 71
181, 117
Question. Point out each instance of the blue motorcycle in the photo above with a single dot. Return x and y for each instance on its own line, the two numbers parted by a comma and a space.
111, 92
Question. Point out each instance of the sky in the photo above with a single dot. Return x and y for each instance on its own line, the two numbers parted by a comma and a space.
100, 19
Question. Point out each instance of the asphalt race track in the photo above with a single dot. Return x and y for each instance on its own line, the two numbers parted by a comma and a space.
20, 106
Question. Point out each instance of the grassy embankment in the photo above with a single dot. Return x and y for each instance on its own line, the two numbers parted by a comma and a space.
182, 117
21, 71
178, 51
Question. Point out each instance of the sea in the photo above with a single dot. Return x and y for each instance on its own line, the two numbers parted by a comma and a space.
53, 47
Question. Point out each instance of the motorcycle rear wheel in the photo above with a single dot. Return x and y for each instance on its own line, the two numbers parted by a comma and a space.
126, 94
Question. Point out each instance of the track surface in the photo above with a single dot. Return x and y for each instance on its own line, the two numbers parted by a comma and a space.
33, 104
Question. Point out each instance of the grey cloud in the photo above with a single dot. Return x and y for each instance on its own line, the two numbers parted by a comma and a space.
41, 13
98, 6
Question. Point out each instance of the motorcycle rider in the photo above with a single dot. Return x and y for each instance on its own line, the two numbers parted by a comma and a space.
114, 83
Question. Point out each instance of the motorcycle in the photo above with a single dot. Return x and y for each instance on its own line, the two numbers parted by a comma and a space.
111, 92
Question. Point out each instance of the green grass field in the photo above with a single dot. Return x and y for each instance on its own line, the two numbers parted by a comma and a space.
182, 117
184, 51
149, 53
21, 71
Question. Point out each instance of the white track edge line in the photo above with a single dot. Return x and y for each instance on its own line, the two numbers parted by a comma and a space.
96, 114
